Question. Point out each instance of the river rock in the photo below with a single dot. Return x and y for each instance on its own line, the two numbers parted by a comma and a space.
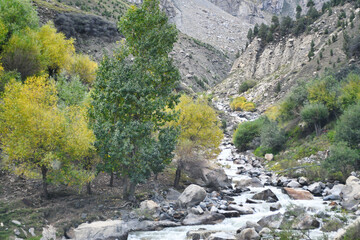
116, 229
49, 233
248, 234
201, 233
253, 182
264, 232
206, 218
192, 196
303, 181
269, 156
240, 209
197, 210
254, 225
221, 236
293, 184
315, 188
351, 194
266, 195
229, 214
305, 222
272, 221
172, 194
341, 233
149, 206
275, 207
298, 194
217, 179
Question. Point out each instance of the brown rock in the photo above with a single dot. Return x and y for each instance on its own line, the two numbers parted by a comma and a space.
298, 194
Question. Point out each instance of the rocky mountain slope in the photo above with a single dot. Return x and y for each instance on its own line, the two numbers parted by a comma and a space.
277, 66
201, 65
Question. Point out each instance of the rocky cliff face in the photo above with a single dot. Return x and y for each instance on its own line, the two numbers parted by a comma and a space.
277, 66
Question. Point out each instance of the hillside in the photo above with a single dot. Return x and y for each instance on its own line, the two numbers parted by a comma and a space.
279, 65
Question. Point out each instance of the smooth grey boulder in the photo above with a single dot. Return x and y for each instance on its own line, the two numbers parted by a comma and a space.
253, 182
303, 181
248, 234
293, 184
206, 218
221, 236
201, 233
351, 194
315, 188
191, 196
272, 221
217, 179
274, 207
240, 209
266, 195
254, 225
305, 222
116, 229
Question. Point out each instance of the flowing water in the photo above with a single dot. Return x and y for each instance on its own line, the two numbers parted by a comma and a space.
230, 225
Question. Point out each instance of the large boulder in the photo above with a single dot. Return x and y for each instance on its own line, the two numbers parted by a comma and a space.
116, 229
252, 182
316, 188
248, 234
351, 194
192, 196
206, 218
217, 179
298, 194
266, 195
272, 221
221, 236
293, 184
305, 222
149, 207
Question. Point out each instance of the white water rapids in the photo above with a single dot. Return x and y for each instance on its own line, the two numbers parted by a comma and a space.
232, 224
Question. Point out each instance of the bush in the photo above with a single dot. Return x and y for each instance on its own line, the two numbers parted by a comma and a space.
84, 67
315, 114
241, 104
350, 91
246, 85
71, 92
272, 136
291, 106
348, 127
5, 77
246, 133
22, 53
342, 158
3, 32
18, 14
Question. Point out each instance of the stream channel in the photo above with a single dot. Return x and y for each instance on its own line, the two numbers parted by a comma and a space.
226, 158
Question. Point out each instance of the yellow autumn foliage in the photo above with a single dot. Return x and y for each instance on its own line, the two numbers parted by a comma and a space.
84, 67
198, 123
241, 104
36, 134
3, 32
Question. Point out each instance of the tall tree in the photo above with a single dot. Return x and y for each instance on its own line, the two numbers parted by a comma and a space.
132, 98
199, 131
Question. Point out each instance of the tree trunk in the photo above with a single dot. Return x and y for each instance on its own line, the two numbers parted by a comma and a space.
44, 182
88, 188
317, 129
125, 187
177, 176
131, 193
156, 177
111, 184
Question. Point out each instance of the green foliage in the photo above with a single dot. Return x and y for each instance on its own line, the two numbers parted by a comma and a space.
315, 114
6, 77
71, 91
352, 232
348, 127
246, 133
130, 98
18, 15
342, 158
272, 137
84, 67
246, 85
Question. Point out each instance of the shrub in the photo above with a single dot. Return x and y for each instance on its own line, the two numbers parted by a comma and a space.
272, 136
350, 91
246, 133
342, 158
348, 127
241, 104
71, 92
315, 114
22, 53
6, 77
3, 32
18, 14
246, 85
84, 67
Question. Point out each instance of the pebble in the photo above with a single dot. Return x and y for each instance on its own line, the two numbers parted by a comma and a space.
16, 222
